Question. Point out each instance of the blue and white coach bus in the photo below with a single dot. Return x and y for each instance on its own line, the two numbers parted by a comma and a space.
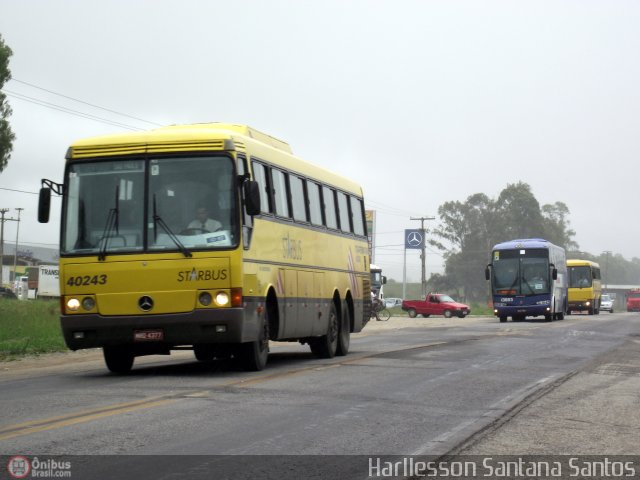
528, 279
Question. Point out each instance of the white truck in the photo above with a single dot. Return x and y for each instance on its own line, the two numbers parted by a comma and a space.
47, 284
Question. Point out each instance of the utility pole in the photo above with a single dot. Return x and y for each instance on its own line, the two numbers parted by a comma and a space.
3, 211
423, 253
2, 220
15, 256
606, 266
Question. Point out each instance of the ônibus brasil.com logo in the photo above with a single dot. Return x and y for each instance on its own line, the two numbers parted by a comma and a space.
19, 467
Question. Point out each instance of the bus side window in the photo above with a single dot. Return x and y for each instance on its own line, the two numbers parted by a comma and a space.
260, 176
315, 203
343, 210
329, 202
357, 216
298, 202
280, 197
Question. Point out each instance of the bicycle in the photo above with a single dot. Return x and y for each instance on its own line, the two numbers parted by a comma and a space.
379, 311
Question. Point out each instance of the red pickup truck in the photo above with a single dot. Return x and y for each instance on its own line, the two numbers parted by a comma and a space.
435, 304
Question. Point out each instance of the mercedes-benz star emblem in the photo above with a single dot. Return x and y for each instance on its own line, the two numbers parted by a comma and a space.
414, 239
145, 303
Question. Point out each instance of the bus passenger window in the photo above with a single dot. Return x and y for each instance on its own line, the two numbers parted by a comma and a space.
343, 208
315, 206
298, 203
329, 208
260, 176
357, 216
280, 193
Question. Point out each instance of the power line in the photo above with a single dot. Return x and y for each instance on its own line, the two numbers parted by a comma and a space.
70, 111
19, 191
86, 103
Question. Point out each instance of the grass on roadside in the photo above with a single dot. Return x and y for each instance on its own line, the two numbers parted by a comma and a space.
29, 327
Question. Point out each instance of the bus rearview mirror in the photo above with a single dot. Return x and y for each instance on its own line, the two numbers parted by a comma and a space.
487, 273
252, 197
44, 205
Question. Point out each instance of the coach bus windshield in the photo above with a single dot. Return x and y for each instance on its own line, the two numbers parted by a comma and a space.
521, 272
163, 204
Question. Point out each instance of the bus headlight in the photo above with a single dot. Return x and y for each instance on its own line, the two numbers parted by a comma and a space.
73, 304
205, 299
222, 299
88, 303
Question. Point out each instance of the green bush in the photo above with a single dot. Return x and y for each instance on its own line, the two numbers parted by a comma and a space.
29, 327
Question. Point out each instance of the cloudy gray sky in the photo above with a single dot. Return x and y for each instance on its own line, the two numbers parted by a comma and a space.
422, 101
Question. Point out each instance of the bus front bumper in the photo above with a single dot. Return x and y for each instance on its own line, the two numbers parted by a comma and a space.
229, 325
522, 311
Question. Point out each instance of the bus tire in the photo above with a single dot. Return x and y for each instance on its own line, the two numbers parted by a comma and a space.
326, 345
119, 358
204, 352
253, 355
344, 335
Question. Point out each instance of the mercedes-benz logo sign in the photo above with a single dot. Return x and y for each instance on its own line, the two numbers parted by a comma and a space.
145, 303
414, 239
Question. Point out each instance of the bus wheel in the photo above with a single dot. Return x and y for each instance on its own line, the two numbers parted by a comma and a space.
548, 317
204, 352
253, 355
344, 335
326, 345
119, 359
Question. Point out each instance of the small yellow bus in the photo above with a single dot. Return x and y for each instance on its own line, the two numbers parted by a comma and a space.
212, 237
585, 286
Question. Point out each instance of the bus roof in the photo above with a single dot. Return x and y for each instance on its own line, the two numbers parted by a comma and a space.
206, 137
524, 243
576, 262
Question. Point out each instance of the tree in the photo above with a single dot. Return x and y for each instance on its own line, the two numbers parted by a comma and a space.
6, 134
556, 225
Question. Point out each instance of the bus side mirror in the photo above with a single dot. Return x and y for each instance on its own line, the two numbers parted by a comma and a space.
384, 280
44, 205
251, 197
554, 273
487, 273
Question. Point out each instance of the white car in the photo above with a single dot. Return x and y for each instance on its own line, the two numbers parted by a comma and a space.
392, 302
606, 303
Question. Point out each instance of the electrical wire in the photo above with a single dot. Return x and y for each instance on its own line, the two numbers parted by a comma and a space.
86, 103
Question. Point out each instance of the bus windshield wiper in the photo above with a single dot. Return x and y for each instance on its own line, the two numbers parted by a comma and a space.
111, 224
157, 220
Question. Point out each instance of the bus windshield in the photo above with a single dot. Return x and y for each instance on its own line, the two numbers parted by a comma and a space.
521, 272
580, 277
167, 204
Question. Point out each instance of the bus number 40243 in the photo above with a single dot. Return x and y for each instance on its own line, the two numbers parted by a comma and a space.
87, 280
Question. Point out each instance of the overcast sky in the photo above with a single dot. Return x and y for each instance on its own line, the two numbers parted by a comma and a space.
422, 102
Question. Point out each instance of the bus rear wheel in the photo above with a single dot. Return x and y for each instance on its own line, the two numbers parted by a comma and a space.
327, 345
119, 358
344, 336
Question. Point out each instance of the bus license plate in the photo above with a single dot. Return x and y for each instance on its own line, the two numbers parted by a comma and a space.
148, 335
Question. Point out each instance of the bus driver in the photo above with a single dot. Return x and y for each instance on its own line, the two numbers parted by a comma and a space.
203, 222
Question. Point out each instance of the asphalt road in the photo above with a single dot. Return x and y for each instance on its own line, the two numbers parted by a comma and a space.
408, 387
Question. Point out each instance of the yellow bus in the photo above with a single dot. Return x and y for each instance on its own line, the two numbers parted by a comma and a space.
585, 286
212, 237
